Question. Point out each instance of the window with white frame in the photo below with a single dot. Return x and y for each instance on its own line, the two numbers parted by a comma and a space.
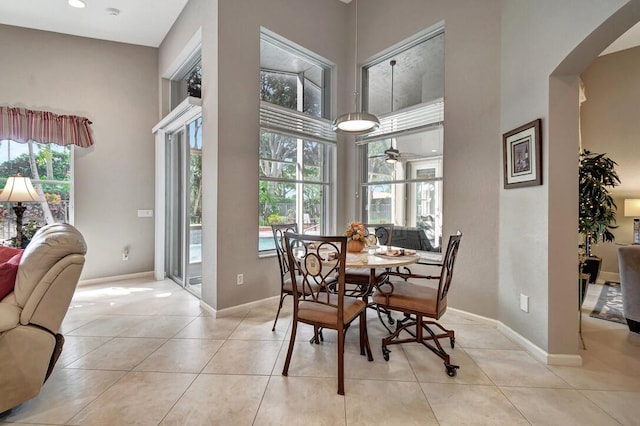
50, 168
296, 141
402, 161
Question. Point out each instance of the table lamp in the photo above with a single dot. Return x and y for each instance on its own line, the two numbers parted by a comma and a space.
632, 209
19, 189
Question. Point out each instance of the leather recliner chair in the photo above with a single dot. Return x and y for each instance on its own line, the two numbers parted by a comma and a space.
31, 315
629, 263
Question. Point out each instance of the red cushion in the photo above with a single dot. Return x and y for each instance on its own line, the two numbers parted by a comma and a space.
8, 272
7, 253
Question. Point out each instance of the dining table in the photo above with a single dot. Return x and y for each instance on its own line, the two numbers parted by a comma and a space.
377, 258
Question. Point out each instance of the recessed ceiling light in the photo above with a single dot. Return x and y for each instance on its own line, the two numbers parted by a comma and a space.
113, 11
77, 3
434, 150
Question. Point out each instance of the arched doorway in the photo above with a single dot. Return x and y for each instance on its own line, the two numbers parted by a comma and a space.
563, 170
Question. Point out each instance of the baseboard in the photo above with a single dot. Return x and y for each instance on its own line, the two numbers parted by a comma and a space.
537, 352
489, 321
609, 276
103, 280
208, 308
218, 313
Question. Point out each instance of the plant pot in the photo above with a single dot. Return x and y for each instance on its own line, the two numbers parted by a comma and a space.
355, 246
584, 284
591, 266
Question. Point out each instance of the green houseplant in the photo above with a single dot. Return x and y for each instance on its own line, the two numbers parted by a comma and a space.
597, 210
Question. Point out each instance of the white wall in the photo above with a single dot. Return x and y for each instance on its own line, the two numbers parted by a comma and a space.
108, 83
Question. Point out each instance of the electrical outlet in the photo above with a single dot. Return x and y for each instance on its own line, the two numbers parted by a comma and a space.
240, 279
125, 253
524, 303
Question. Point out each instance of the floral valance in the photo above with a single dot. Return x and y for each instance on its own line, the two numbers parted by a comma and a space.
23, 125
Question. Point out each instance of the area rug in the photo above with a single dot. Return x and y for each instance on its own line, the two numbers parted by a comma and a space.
609, 304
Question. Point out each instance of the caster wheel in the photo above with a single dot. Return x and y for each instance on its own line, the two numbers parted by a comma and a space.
453, 342
385, 354
391, 320
452, 370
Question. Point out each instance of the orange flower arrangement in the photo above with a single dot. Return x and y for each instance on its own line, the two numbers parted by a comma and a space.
356, 231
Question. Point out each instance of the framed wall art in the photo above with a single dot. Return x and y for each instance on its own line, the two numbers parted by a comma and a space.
522, 148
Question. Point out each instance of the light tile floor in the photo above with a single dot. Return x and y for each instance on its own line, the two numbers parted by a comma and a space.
145, 352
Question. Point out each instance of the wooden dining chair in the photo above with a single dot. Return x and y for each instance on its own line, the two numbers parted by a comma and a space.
286, 288
318, 261
422, 305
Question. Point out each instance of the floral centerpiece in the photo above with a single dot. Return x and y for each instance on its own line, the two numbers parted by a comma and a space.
356, 236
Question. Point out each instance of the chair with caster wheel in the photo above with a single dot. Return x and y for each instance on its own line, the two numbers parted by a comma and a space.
422, 306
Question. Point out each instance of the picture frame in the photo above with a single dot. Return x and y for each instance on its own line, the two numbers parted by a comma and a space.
522, 154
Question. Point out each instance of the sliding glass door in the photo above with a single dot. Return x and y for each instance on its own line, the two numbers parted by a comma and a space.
183, 234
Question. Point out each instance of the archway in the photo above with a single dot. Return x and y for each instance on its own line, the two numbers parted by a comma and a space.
563, 172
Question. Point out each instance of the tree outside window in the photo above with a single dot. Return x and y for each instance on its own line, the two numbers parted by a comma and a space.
49, 167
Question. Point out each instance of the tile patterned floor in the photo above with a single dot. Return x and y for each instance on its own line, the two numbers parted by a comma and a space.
144, 352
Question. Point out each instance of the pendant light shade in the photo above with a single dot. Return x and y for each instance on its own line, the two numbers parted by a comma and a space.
359, 122
356, 123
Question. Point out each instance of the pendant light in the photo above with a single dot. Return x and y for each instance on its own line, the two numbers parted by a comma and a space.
356, 123
392, 153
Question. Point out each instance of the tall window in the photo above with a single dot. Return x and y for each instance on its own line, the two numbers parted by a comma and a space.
296, 142
403, 160
49, 167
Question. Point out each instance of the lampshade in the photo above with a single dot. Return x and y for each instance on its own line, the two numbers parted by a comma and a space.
632, 207
19, 189
356, 123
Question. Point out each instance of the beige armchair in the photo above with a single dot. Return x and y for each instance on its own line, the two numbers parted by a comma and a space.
31, 315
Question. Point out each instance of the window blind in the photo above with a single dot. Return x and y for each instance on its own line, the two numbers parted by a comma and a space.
293, 123
408, 120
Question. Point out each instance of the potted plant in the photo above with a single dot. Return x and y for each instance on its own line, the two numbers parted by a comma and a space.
597, 210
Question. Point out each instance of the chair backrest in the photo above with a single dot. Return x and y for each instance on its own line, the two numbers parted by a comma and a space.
318, 262
446, 273
278, 238
48, 274
382, 231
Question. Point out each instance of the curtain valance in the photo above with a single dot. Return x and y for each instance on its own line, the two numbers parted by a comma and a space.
22, 125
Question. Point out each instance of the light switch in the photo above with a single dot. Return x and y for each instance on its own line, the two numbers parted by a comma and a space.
524, 303
145, 213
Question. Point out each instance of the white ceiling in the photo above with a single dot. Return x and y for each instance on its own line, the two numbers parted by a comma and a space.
143, 22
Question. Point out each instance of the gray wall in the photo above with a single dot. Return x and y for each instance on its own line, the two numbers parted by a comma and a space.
231, 61
507, 63
108, 83
471, 130
545, 46
609, 122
